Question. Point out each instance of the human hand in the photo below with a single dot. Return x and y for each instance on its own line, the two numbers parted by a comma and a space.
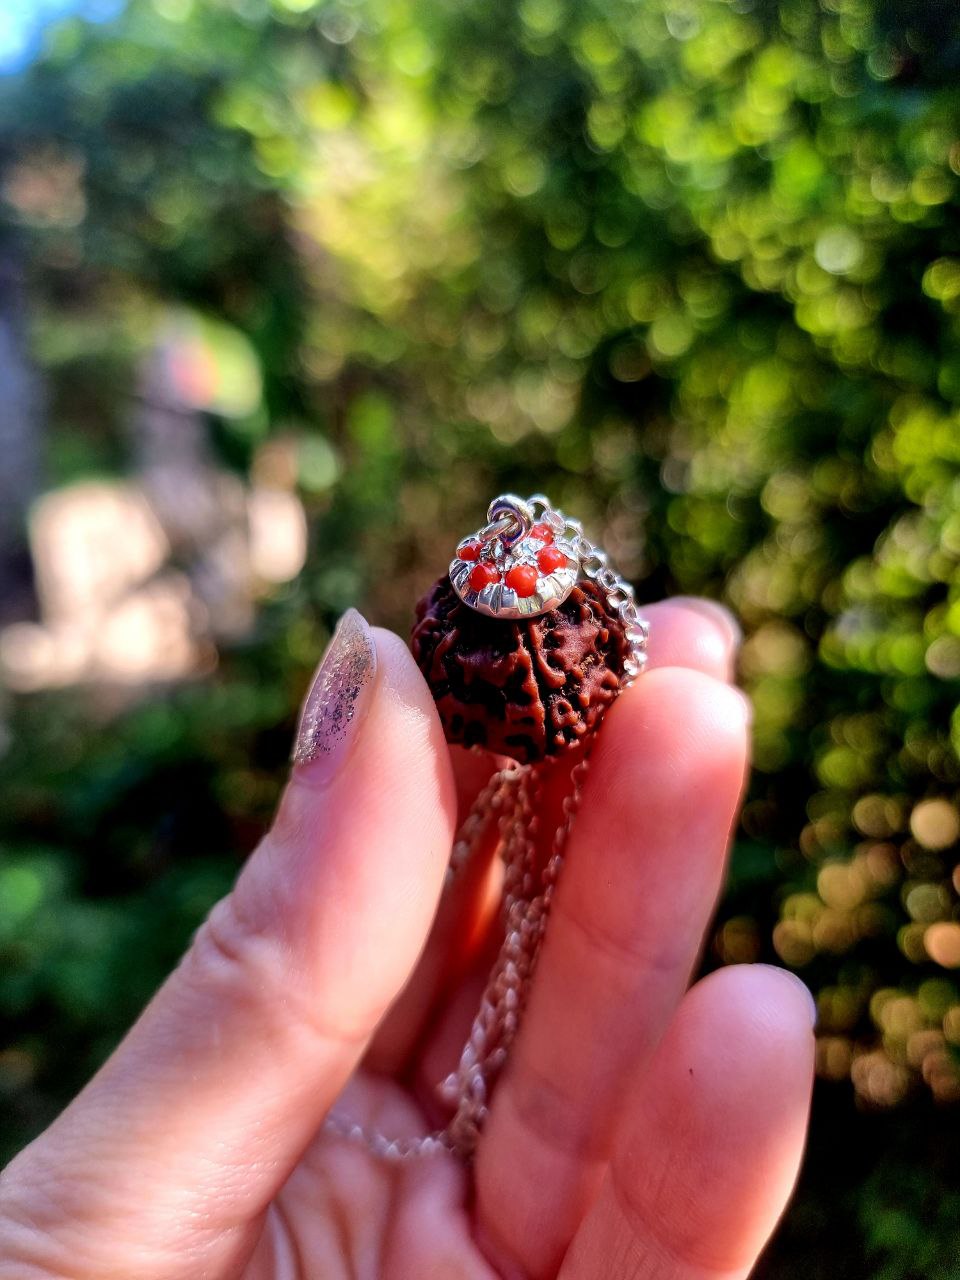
636, 1130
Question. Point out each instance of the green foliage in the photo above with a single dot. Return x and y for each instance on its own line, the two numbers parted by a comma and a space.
694, 270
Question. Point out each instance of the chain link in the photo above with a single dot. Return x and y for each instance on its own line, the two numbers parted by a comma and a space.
511, 798
618, 592
495, 797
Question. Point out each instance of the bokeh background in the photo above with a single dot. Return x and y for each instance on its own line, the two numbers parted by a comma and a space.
290, 288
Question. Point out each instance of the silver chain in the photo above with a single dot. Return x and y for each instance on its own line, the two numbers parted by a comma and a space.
617, 591
510, 797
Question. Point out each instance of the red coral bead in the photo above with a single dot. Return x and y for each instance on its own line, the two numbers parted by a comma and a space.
541, 531
470, 552
482, 575
522, 579
551, 558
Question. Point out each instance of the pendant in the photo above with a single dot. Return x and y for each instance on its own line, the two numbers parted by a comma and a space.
516, 566
525, 642
530, 636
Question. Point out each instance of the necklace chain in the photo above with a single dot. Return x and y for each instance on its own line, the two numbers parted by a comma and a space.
510, 798
618, 592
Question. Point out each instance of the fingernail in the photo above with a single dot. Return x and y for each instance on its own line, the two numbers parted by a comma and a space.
812, 1009
718, 614
339, 698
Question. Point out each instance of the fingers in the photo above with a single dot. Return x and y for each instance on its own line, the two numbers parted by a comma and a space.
470, 900
192, 1126
711, 1140
643, 871
685, 632
689, 631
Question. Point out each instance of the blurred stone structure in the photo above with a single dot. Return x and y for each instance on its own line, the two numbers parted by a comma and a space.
138, 580
201, 508
21, 418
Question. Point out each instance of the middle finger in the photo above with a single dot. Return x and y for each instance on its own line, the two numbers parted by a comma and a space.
644, 865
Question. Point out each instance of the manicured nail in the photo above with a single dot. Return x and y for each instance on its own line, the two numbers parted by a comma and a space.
339, 698
718, 614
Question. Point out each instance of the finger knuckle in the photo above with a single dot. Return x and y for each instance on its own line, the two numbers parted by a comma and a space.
244, 958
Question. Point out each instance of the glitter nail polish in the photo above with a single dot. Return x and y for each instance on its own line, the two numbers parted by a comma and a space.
339, 698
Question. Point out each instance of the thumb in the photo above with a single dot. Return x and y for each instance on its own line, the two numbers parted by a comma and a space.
165, 1161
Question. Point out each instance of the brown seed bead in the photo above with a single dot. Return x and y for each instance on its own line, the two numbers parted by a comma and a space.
525, 689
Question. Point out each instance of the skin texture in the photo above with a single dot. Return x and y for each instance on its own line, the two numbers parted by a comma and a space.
639, 1130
